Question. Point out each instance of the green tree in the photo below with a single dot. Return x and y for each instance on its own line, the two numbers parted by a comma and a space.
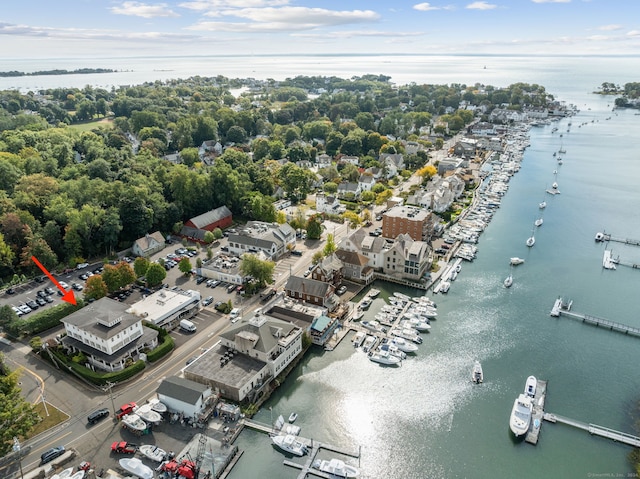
185, 266
217, 233
190, 156
330, 245
209, 237
95, 288
155, 274
140, 266
260, 270
7, 316
314, 228
126, 274
17, 416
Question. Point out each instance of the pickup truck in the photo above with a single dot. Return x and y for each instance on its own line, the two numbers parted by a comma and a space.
126, 409
123, 447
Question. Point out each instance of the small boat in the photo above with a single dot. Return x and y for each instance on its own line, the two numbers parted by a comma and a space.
373, 292
358, 339
78, 475
371, 325
531, 240
444, 286
365, 303
402, 296
393, 350
335, 468
153, 452
369, 343
384, 357
293, 416
136, 467
538, 222
157, 406
358, 315
417, 324
530, 386
508, 281
516, 261
134, 422
542, 205
63, 474
403, 345
147, 414
289, 443
407, 333
520, 418
477, 376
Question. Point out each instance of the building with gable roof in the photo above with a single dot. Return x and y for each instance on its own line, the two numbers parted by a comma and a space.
184, 396
218, 218
272, 239
406, 258
311, 291
148, 245
329, 270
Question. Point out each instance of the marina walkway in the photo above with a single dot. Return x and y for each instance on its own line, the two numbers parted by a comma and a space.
602, 237
595, 430
538, 412
560, 309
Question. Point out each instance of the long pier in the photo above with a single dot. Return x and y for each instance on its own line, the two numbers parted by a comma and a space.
313, 446
564, 309
602, 237
595, 430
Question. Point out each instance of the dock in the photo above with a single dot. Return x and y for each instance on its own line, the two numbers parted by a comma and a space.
595, 430
313, 446
603, 237
564, 309
609, 262
537, 413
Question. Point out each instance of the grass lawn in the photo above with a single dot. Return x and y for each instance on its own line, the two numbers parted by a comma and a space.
90, 125
55, 417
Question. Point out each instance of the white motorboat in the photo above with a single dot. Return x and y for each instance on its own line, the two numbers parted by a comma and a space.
403, 345
417, 324
508, 281
78, 475
289, 443
372, 325
63, 474
147, 414
393, 350
531, 240
136, 467
477, 375
153, 452
134, 422
358, 315
335, 468
542, 205
157, 406
516, 261
293, 416
444, 286
373, 292
530, 386
520, 418
406, 333
369, 343
358, 339
538, 222
402, 296
365, 303
384, 357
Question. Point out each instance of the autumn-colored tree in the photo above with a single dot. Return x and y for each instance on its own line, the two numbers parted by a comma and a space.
95, 288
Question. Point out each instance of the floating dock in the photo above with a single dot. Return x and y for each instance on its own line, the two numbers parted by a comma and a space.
608, 261
538, 412
602, 236
561, 308
595, 430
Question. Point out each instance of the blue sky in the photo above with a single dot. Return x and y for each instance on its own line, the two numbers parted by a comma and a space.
103, 28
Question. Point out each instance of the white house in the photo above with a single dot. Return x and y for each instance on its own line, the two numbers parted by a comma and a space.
183, 396
148, 245
329, 204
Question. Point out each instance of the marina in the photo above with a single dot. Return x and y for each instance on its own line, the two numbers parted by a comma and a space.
605, 237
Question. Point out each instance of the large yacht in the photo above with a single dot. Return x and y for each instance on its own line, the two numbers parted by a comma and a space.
289, 443
521, 415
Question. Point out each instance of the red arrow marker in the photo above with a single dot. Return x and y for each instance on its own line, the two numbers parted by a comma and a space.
67, 296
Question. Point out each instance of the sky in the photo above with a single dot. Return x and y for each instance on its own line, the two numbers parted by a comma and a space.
115, 28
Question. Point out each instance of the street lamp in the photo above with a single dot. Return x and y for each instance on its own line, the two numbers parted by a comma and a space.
16, 448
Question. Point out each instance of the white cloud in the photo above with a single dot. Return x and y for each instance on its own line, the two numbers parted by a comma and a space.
425, 7
144, 10
358, 34
598, 38
610, 28
481, 6
213, 5
87, 34
286, 19
551, 1
633, 33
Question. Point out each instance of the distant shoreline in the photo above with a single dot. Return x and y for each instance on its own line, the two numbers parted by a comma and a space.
56, 72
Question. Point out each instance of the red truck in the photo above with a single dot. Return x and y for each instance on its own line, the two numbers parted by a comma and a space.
126, 409
124, 447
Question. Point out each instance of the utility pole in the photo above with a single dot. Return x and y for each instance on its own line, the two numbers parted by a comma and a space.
108, 386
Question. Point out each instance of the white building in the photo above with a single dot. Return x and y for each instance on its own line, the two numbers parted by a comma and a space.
165, 308
183, 396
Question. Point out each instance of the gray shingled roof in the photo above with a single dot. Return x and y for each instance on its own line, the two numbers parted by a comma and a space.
265, 333
181, 389
307, 286
107, 310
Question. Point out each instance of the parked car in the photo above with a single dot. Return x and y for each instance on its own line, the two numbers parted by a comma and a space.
342, 289
50, 454
32, 304
82, 265
84, 276
48, 290
207, 301
200, 279
10, 291
307, 273
25, 309
97, 416
295, 252
48, 299
41, 293
126, 409
124, 447
41, 301
231, 288
77, 287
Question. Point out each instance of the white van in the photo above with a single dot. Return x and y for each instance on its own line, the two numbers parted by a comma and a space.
234, 314
187, 325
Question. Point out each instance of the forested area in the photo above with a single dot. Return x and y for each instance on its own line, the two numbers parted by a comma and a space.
69, 193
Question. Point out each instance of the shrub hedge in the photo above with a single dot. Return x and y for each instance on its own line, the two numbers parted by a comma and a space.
164, 348
46, 319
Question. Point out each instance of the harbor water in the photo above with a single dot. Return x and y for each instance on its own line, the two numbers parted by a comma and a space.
426, 419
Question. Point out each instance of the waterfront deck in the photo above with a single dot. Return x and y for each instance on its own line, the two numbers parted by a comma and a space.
560, 310
604, 237
313, 446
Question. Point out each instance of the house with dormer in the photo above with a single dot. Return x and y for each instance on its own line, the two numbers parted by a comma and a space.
311, 291
329, 270
271, 239
406, 258
329, 204
366, 182
323, 160
108, 334
347, 188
